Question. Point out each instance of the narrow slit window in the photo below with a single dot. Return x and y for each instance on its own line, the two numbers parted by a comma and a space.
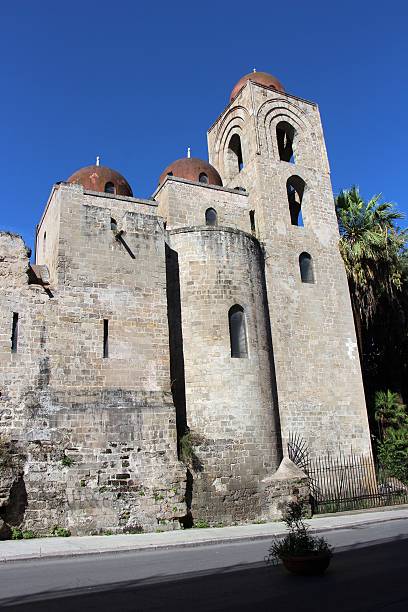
44, 242
285, 135
211, 217
252, 220
105, 338
14, 333
306, 268
114, 225
237, 329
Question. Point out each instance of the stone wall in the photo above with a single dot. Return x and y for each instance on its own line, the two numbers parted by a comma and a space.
99, 434
183, 203
318, 374
230, 406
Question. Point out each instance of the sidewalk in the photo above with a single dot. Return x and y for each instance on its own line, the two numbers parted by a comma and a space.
46, 548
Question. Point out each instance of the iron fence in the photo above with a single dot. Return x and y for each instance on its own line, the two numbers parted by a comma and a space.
346, 482
352, 483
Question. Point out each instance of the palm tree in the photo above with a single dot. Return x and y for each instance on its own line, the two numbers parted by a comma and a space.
371, 245
389, 411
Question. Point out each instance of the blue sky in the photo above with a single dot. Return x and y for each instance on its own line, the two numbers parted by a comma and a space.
138, 82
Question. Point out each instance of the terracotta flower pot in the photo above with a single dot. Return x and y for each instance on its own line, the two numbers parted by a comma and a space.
312, 564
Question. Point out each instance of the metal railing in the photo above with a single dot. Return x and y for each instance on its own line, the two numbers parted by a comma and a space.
346, 482
352, 483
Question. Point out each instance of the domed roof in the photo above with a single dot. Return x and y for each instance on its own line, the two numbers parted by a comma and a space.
263, 78
193, 169
101, 178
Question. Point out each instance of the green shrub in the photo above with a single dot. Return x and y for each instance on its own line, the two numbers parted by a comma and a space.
187, 443
186, 448
298, 542
16, 533
60, 532
19, 534
393, 453
200, 524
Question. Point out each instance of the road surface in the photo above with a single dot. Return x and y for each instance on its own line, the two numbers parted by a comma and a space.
223, 577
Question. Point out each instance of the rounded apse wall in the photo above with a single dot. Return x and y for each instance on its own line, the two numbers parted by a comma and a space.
229, 383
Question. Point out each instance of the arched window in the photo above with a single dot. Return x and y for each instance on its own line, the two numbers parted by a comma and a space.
211, 217
285, 135
110, 188
295, 187
237, 329
235, 154
114, 225
203, 178
306, 268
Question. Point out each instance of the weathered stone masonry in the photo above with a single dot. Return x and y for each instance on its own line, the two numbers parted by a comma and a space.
118, 340
113, 417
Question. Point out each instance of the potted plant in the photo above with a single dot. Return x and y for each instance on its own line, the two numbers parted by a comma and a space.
300, 552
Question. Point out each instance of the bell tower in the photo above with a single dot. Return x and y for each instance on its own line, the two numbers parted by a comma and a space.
271, 144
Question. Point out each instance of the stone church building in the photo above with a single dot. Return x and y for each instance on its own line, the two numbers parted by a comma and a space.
218, 307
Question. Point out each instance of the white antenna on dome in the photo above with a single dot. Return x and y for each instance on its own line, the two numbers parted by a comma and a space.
97, 160
188, 152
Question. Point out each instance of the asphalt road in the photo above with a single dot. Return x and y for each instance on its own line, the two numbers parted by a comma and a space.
224, 577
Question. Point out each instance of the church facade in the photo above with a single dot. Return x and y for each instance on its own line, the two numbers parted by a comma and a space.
158, 355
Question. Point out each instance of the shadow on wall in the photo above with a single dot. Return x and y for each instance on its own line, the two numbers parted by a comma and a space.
176, 341
275, 407
12, 513
185, 440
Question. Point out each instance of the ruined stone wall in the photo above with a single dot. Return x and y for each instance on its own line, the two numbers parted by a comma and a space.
318, 372
98, 435
230, 408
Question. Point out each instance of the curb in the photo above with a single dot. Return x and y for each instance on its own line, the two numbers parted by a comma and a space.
213, 541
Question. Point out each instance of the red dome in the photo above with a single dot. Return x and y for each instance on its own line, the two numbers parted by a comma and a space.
193, 169
101, 178
263, 78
